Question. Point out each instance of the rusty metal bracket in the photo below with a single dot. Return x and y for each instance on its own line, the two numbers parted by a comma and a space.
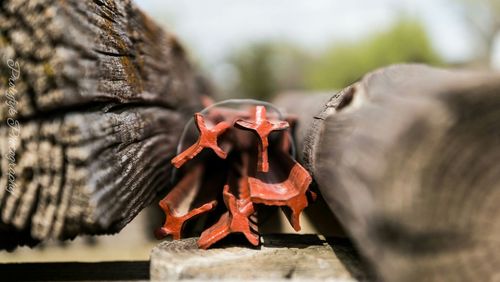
262, 127
255, 171
286, 185
240, 208
179, 205
207, 139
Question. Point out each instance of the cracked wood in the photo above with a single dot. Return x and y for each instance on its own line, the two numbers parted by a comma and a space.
102, 96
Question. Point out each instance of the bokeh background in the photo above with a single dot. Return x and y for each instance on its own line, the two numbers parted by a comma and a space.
259, 48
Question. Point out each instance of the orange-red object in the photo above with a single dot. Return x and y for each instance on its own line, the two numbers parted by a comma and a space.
261, 126
240, 208
285, 185
207, 139
248, 174
235, 220
178, 205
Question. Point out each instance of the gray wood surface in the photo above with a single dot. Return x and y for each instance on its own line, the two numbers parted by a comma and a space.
408, 160
101, 97
280, 257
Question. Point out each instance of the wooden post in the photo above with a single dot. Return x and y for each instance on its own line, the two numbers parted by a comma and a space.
90, 117
408, 160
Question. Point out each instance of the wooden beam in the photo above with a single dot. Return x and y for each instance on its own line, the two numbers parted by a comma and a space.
100, 94
407, 159
281, 257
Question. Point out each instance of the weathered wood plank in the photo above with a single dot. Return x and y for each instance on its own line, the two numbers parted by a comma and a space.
280, 258
101, 97
407, 159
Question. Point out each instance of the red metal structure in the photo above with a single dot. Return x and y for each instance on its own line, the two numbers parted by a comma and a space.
208, 139
260, 170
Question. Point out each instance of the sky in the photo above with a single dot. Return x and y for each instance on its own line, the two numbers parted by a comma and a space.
212, 29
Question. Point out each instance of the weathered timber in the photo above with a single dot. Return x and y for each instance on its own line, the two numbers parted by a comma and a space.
281, 257
100, 94
407, 159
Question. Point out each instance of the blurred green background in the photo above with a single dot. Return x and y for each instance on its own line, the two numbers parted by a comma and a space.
260, 48
268, 67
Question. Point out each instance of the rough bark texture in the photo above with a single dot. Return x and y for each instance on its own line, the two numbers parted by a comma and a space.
102, 96
279, 258
407, 159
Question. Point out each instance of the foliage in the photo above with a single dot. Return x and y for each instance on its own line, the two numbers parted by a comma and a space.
267, 67
345, 63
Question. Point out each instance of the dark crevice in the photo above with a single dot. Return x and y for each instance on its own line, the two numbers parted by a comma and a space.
92, 107
114, 54
106, 17
99, 2
290, 273
60, 191
347, 98
101, 11
120, 107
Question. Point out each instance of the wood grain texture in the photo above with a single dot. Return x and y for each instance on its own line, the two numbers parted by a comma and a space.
281, 257
407, 159
102, 96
